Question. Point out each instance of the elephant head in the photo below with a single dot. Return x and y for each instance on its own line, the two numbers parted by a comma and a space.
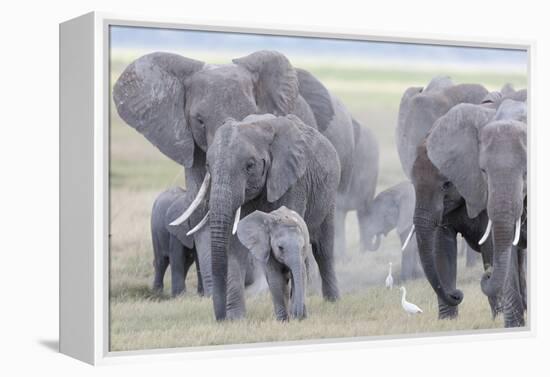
483, 152
420, 108
281, 239
391, 209
258, 159
178, 103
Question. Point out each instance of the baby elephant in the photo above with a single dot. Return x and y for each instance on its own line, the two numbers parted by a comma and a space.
279, 240
393, 209
169, 249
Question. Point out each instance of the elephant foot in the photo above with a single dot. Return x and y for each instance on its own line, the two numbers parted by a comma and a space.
332, 296
235, 315
518, 321
158, 289
448, 312
178, 291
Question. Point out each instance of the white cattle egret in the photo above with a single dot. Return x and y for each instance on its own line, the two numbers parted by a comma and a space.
389, 279
409, 307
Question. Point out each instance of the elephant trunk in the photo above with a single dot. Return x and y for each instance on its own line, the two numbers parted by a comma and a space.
493, 281
298, 306
504, 208
222, 214
425, 227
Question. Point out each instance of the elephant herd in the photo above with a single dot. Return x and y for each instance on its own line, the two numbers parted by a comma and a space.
273, 162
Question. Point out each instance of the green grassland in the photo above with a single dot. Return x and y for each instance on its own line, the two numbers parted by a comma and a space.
138, 172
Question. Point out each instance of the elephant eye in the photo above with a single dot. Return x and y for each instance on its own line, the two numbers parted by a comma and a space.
199, 119
281, 249
446, 185
250, 165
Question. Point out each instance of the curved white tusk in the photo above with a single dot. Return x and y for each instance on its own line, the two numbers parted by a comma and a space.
486, 234
516, 235
198, 199
199, 225
237, 218
408, 239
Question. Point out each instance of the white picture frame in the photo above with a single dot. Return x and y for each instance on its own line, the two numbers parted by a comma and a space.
84, 180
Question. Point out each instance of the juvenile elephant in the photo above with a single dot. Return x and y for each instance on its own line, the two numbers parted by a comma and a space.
391, 209
263, 163
482, 153
279, 240
174, 249
178, 104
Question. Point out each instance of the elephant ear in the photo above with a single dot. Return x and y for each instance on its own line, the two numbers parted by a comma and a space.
276, 82
453, 147
289, 154
439, 83
150, 96
512, 110
508, 91
253, 232
317, 97
417, 115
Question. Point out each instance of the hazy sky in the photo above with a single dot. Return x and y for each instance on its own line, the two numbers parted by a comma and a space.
171, 39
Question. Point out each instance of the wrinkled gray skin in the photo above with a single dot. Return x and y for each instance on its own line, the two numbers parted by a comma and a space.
440, 211
178, 104
279, 241
421, 107
263, 163
392, 209
482, 152
170, 248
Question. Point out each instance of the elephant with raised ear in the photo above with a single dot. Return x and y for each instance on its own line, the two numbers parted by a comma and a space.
178, 104
421, 107
482, 153
279, 241
392, 209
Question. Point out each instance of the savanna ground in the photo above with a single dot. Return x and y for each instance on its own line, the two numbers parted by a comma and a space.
138, 172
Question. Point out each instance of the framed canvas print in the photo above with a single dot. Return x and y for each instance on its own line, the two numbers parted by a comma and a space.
234, 189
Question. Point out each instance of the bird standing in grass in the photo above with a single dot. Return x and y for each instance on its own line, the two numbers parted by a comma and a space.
409, 307
389, 279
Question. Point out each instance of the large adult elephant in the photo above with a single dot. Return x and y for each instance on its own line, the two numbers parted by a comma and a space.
178, 103
421, 107
263, 163
482, 152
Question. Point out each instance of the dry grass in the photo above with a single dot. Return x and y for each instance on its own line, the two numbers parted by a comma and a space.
140, 320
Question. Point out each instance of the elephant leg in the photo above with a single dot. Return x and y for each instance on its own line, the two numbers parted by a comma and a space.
189, 259
236, 273
362, 221
446, 262
161, 264
522, 266
323, 251
278, 286
340, 232
513, 301
204, 258
495, 302
177, 266
200, 287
